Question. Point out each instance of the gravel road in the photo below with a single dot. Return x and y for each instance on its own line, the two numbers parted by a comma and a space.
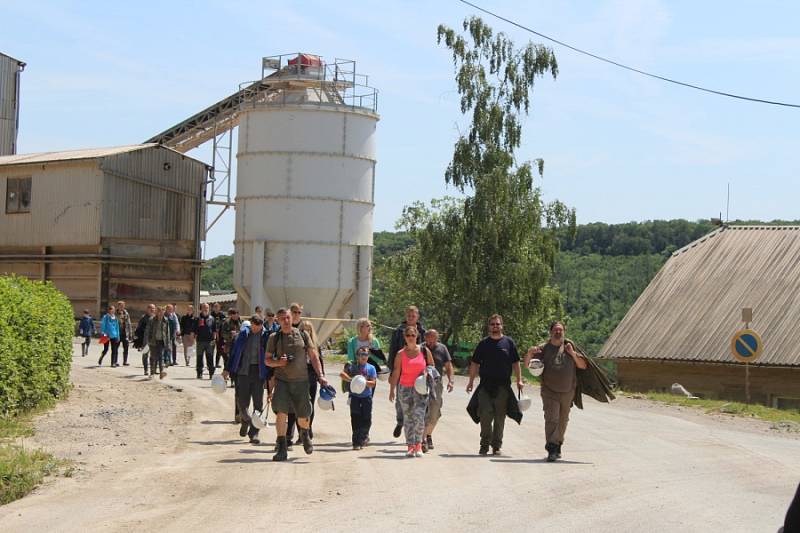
165, 455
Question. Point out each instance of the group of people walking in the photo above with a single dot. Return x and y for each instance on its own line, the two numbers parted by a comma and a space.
278, 354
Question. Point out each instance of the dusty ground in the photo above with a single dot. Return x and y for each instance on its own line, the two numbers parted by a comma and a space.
164, 455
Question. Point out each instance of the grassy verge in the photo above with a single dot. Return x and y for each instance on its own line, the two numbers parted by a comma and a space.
21, 468
760, 412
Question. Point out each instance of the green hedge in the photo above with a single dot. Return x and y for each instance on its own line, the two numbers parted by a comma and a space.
36, 329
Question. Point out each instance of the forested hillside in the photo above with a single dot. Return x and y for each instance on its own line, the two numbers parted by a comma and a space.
599, 273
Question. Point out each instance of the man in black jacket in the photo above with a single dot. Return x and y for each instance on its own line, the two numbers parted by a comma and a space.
494, 359
395, 345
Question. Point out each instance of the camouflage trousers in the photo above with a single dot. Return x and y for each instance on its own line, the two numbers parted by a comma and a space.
413, 405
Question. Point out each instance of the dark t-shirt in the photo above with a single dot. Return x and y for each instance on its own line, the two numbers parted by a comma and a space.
205, 327
559, 369
496, 359
441, 355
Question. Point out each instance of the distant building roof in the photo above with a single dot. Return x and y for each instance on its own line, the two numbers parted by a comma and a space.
229, 298
693, 306
75, 155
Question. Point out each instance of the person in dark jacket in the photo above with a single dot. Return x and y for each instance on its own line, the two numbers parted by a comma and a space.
791, 523
494, 359
395, 345
219, 318
188, 331
156, 336
86, 330
139, 340
206, 331
125, 330
559, 380
247, 361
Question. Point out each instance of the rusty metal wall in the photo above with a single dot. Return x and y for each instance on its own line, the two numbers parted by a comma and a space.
691, 309
9, 104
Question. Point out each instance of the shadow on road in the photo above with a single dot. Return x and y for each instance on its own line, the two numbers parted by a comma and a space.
534, 461
462, 456
216, 442
293, 460
218, 422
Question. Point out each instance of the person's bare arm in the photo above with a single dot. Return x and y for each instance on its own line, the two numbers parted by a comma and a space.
448, 368
313, 355
473, 373
518, 374
394, 379
580, 362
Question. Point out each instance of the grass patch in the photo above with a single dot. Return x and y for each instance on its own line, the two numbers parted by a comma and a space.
758, 411
23, 469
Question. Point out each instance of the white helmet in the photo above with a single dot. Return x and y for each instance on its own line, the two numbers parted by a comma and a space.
218, 384
524, 403
536, 367
421, 384
325, 405
258, 419
358, 384
245, 324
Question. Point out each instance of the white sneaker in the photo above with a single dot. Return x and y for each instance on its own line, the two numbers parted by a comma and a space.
418, 453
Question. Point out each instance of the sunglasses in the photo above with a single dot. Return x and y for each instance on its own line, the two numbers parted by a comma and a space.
364, 354
411, 335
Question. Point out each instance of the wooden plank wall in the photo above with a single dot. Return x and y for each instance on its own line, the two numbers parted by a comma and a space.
713, 381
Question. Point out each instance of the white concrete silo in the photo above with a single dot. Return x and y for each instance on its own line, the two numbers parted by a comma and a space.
304, 199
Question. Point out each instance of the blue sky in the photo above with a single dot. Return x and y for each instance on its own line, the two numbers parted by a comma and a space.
617, 146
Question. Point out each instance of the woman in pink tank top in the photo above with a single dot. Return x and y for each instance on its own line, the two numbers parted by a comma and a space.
409, 364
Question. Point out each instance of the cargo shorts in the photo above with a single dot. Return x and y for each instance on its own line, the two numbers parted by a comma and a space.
292, 397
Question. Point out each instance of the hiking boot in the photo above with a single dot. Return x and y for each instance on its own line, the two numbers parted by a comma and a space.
551, 452
254, 440
243, 429
483, 450
424, 447
281, 454
307, 446
397, 429
429, 442
558, 451
496, 451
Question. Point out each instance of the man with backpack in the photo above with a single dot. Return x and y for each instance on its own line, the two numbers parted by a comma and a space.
288, 351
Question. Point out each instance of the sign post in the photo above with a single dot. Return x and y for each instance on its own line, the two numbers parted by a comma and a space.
746, 347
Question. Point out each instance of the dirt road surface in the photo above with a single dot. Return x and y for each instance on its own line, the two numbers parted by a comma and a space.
165, 455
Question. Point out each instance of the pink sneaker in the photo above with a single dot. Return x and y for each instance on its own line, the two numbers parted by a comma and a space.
410, 452
418, 449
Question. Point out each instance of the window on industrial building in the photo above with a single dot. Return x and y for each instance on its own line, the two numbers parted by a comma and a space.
18, 195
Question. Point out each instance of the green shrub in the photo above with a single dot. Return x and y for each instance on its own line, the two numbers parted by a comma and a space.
36, 328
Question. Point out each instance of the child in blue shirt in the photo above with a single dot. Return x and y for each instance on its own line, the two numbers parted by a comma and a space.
87, 331
361, 404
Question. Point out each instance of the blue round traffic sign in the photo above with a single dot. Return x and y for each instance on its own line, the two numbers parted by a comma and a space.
746, 345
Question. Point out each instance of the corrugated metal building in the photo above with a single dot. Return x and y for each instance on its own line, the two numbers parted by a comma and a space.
106, 224
10, 70
680, 328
